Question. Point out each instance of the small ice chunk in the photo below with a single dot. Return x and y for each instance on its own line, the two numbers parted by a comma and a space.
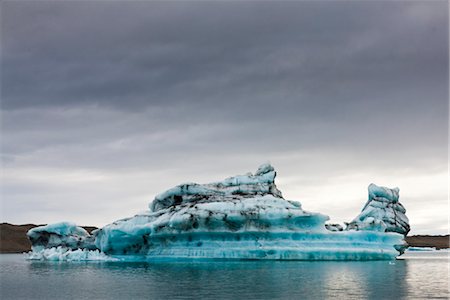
65, 234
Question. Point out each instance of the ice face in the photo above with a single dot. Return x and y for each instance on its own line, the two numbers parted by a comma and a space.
382, 212
241, 217
194, 220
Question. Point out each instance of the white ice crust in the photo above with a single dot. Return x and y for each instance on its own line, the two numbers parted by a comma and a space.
64, 254
241, 217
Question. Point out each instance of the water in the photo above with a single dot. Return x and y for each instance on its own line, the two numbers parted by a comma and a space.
420, 275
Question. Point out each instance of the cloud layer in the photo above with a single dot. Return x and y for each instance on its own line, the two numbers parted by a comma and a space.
105, 104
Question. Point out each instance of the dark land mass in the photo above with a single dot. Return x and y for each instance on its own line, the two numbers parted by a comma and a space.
13, 238
437, 241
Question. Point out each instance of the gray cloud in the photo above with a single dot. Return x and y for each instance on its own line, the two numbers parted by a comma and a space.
200, 90
146, 54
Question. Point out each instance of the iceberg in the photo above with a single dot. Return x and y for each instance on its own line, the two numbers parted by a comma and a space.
241, 217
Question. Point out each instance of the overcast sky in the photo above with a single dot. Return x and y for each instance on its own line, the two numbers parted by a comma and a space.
106, 104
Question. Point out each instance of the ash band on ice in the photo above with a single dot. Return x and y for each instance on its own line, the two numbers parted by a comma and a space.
241, 217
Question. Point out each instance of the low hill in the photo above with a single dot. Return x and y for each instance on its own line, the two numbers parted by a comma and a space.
437, 241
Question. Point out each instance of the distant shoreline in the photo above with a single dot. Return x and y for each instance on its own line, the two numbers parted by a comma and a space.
13, 238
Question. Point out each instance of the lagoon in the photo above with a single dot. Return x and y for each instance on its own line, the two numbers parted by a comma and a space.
417, 275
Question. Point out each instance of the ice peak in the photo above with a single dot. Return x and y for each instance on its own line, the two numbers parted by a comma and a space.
264, 168
381, 191
235, 187
382, 212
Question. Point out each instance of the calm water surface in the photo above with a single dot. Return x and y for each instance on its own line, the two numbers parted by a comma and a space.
420, 275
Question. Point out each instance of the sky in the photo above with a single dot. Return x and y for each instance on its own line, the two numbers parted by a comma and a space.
105, 104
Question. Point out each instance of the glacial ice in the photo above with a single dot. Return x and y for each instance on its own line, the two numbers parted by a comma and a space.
334, 227
65, 234
241, 217
382, 212
61, 253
